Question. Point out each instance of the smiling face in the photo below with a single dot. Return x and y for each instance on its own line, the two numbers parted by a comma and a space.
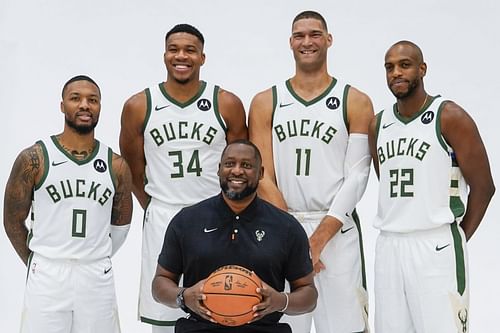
310, 42
183, 57
405, 69
239, 171
81, 106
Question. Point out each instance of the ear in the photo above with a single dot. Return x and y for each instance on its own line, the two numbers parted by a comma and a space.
261, 175
290, 42
423, 69
202, 58
218, 170
329, 40
62, 107
165, 58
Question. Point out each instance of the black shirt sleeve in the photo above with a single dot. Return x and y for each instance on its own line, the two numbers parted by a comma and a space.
170, 257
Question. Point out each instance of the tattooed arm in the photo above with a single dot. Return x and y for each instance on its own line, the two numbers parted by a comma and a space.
26, 172
122, 201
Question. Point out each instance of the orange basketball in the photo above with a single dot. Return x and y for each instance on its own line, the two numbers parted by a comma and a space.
230, 294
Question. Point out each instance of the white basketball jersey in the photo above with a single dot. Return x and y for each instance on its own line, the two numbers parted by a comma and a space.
72, 204
421, 186
183, 143
309, 145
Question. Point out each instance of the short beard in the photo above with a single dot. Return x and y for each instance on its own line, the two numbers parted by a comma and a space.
411, 89
81, 129
236, 196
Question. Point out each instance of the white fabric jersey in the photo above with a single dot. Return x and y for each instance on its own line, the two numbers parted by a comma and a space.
421, 186
72, 204
311, 138
183, 143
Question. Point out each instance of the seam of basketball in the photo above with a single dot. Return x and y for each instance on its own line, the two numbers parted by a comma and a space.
226, 294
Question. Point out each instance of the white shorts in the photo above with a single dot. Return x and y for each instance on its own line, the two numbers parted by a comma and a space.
421, 281
64, 296
156, 219
342, 304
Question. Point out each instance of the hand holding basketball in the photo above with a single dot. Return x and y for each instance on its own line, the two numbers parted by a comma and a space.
230, 295
272, 301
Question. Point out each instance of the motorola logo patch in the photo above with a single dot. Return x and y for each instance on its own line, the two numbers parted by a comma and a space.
332, 103
100, 165
204, 104
427, 117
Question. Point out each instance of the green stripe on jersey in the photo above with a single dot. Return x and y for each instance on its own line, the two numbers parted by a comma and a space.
459, 258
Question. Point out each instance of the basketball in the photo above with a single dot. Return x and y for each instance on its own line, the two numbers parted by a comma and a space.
230, 294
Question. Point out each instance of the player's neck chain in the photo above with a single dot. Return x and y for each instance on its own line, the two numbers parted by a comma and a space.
425, 102
421, 106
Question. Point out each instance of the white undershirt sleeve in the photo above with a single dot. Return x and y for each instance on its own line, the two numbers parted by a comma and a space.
118, 234
356, 172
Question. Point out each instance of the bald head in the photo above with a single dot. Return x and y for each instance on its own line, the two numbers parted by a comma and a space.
408, 48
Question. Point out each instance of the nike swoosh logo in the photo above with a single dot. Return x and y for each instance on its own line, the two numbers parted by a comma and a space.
343, 231
209, 230
106, 271
158, 108
438, 248
284, 105
58, 163
387, 125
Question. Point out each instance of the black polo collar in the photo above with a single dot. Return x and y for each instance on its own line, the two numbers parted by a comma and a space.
247, 215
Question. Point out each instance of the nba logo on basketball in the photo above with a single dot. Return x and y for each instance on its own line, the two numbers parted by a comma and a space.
228, 282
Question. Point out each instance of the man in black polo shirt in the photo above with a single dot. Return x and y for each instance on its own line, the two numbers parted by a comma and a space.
236, 227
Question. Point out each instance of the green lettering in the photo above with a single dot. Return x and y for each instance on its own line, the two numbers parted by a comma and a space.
51, 189
330, 132
196, 131
401, 142
381, 156
424, 147
93, 191
292, 131
105, 196
278, 129
182, 124
411, 146
209, 137
155, 134
170, 135
390, 149
67, 193
303, 131
78, 182
316, 128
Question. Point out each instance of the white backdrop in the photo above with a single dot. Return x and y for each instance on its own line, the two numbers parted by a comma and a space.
120, 44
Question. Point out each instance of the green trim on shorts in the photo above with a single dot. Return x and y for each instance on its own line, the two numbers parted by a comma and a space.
158, 322
28, 265
459, 258
355, 217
